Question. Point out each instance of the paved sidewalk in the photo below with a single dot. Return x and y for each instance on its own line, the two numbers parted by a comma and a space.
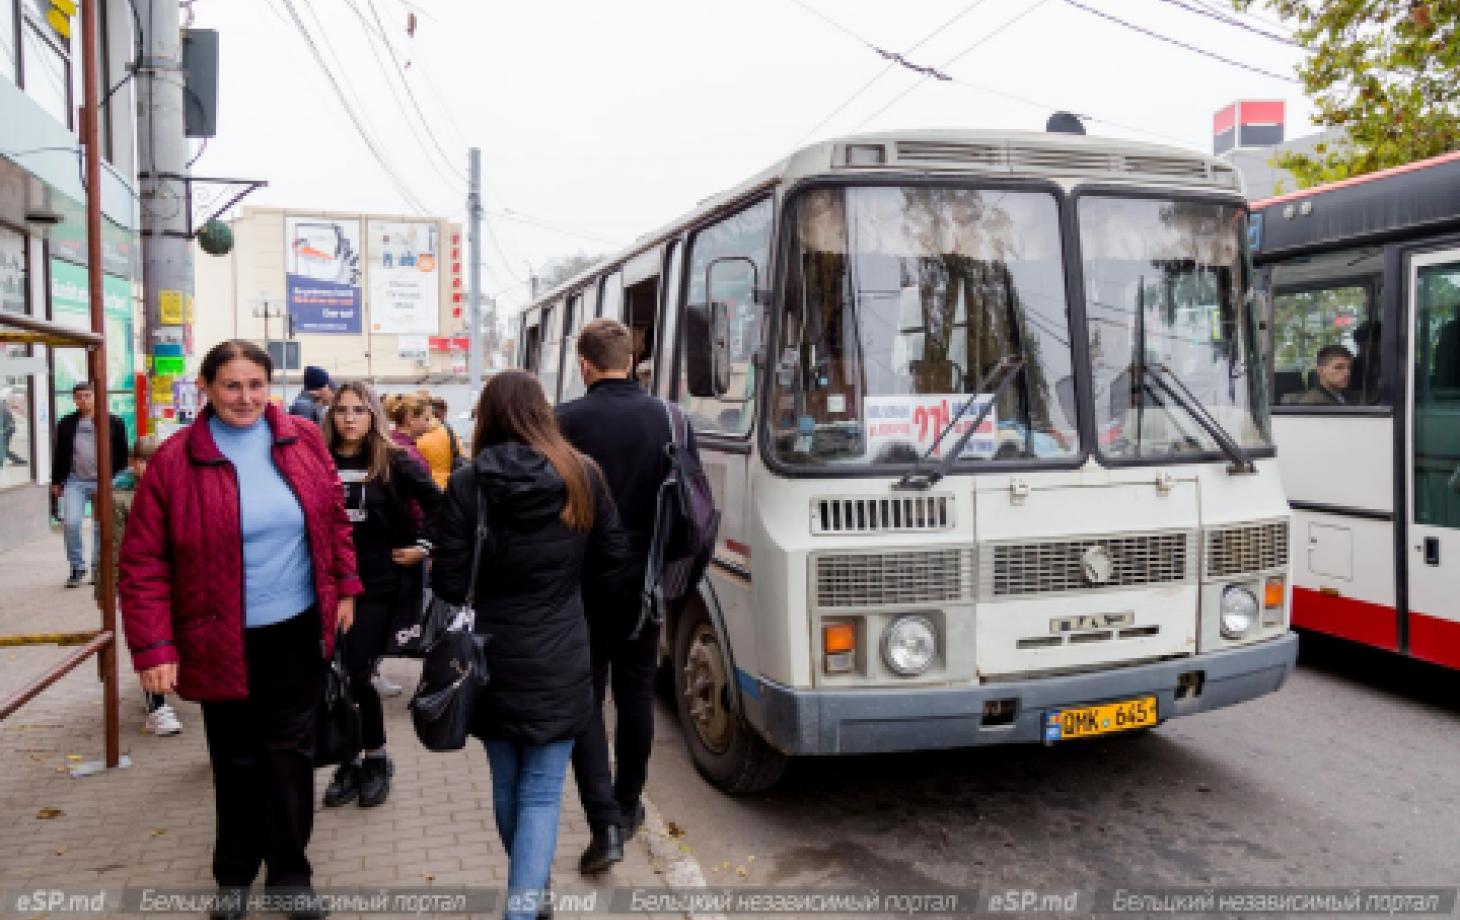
152, 824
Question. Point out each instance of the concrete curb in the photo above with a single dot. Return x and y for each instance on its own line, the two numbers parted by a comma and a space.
672, 858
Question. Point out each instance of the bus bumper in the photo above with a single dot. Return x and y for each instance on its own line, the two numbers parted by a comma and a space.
879, 720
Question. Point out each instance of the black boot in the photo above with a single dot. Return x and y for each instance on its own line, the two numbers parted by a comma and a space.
605, 849
310, 907
545, 909
375, 775
232, 904
344, 787
633, 820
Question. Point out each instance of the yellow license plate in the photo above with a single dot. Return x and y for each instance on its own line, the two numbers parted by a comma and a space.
1104, 719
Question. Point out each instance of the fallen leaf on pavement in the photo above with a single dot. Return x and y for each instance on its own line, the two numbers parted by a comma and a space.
73, 757
429, 877
742, 872
158, 832
60, 851
674, 830
49, 812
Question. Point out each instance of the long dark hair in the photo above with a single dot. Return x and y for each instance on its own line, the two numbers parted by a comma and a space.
224, 352
513, 408
378, 447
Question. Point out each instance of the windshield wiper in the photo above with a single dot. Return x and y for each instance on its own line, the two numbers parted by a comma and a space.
1007, 368
1241, 462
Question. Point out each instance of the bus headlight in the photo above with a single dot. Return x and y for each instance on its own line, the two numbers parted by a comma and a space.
909, 644
1239, 611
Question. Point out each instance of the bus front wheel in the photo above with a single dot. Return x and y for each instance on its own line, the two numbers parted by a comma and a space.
725, 749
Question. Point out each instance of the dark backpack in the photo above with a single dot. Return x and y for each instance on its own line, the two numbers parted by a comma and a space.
686, 524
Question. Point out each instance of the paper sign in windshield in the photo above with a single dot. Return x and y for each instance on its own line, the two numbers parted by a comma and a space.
900, 428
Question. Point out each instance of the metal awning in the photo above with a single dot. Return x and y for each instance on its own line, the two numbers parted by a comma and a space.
17, 328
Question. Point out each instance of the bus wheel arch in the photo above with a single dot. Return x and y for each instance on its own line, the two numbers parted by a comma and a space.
725, 748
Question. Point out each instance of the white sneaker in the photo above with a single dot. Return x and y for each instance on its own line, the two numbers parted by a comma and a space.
384, 686
163, 721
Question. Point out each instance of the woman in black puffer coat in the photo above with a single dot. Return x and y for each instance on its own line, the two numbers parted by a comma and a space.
553, 534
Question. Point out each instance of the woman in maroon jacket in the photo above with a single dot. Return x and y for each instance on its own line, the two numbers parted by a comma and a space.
236, 570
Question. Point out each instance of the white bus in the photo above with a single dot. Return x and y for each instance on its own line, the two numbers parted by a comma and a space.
1369, 270
984, 415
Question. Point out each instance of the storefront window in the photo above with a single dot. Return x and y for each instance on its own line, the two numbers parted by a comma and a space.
17, 453
47, 73
8, 60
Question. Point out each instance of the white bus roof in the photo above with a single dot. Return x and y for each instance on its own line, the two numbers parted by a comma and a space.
929, 152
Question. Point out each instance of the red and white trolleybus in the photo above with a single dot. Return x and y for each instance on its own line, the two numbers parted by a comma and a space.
1363, 330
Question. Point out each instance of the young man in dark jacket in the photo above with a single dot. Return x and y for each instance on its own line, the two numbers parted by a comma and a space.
315, 397
625, 430
74, 473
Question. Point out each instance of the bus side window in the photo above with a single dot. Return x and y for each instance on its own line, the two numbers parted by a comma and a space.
743, 235
1330, 301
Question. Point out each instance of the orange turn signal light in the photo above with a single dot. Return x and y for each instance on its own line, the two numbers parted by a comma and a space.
838, 637
1272, 593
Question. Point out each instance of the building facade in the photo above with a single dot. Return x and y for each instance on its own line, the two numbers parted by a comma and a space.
43, 251
366, 296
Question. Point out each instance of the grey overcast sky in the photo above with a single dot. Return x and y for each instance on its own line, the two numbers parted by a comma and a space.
600, 120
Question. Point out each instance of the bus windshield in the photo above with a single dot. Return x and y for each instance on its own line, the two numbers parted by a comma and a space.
899, 301
1170, 325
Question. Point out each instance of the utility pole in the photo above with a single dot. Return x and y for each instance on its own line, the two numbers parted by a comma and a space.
162, 156
474, 270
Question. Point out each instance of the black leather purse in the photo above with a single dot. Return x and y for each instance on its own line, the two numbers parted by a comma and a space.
337, 723
454, 668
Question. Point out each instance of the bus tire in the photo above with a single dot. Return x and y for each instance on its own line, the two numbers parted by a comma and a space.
724, 747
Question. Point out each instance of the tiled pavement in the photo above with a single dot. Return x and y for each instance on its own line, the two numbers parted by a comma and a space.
152, 824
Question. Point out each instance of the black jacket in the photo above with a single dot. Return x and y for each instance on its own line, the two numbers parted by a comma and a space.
529, 589
66, 443
381, 521
625, 430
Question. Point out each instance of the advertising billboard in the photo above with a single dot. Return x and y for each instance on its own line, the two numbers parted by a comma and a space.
404, 278
322, 274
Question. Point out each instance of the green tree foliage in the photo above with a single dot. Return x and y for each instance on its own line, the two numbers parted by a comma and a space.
1387, 72
555, 271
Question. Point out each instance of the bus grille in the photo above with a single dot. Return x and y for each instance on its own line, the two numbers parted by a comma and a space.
873, 515
842, 580
1246, 549
1047, 567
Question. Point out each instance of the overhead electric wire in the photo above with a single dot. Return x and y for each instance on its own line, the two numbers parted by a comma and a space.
354, 117
533, 222
949, 63
883, 72
453, 182
1152, 33
1231, 21
411, 92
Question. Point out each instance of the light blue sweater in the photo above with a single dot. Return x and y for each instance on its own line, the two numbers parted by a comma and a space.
278, 576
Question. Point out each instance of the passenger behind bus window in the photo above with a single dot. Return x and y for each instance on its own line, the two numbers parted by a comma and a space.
1335, 366
1363, 386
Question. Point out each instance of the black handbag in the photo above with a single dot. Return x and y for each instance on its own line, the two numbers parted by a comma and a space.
454, 670
418, 620
337, 724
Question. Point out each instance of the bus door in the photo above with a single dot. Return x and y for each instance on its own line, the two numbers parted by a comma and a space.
1434, 457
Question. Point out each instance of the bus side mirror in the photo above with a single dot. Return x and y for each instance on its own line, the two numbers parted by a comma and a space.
707, 350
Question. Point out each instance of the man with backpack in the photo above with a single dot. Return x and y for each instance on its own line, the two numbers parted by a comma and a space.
628, 433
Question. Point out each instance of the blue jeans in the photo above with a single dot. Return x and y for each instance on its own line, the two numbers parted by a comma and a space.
74, 496
527, 797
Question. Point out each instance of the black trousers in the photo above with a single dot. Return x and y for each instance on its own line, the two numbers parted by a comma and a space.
364, 643
628, 665
262, 751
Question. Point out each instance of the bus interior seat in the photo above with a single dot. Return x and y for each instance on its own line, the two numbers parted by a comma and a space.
935, 375
1287, 386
